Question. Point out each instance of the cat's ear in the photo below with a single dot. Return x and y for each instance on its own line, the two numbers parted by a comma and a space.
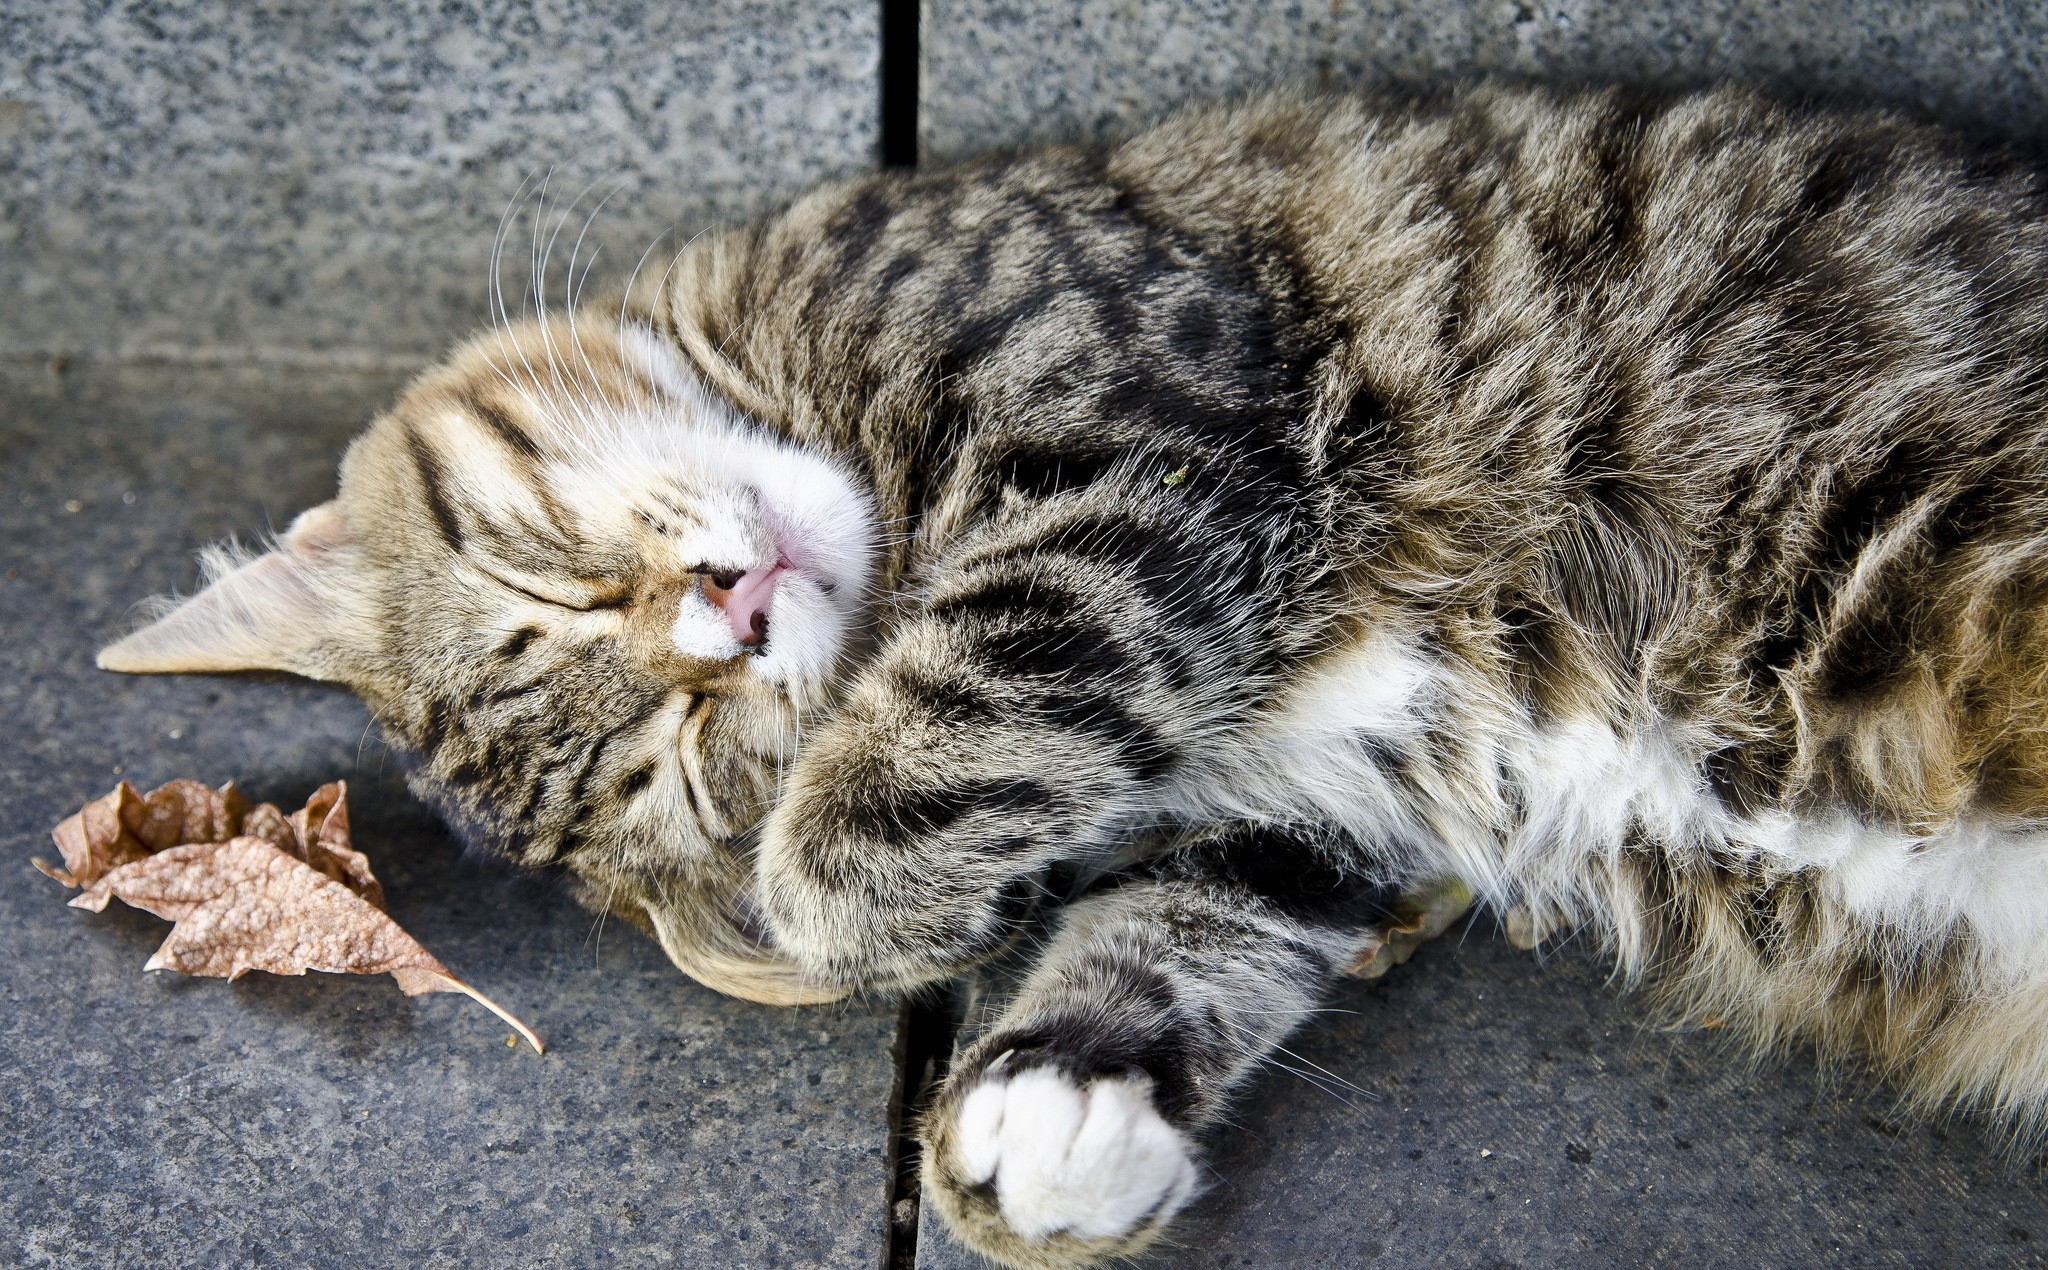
294, 608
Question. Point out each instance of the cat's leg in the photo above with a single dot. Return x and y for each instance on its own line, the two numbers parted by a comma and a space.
1060, 670
1066, 1133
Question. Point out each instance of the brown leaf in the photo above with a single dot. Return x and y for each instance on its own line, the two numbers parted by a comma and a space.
182, 811
265, 821
247, 887
97, 839
125, 826
320, 829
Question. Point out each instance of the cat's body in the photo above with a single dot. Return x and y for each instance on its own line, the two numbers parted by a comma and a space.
1634, 511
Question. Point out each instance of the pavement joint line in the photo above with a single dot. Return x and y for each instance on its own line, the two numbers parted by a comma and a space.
925, 1039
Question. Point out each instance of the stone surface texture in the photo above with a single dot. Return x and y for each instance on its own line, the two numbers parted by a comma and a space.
1000, 72
159, 1120
1479, 1108
322, 182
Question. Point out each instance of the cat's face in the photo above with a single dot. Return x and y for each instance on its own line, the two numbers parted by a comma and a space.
591, 604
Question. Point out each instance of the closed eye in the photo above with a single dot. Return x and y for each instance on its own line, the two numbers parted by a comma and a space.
614, 598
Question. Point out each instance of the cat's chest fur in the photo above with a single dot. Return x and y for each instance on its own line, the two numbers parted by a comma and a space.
1438, 774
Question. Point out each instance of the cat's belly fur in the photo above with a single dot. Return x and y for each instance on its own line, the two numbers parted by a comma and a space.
1442, 777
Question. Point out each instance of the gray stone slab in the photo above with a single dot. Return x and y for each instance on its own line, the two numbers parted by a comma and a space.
1478, 1108
318, 181
999, 72
157, 1120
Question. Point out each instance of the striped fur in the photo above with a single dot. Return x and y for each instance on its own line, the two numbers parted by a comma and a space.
1632, 509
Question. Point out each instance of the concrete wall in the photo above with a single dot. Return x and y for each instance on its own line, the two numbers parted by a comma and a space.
1005, 71
321, 182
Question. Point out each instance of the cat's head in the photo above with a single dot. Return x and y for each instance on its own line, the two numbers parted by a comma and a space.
589, 601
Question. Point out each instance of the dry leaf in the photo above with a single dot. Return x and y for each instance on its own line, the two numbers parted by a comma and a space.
321, 830
126, 826
248, 888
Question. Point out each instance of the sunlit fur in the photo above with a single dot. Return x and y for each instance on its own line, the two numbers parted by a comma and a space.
1631, 509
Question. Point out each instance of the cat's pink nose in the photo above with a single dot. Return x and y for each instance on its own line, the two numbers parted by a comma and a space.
745, 597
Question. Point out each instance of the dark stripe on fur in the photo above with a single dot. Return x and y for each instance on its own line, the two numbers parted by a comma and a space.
926, 813
501, 425
432, 479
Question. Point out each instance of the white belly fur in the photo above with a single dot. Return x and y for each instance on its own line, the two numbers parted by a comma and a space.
1584, 791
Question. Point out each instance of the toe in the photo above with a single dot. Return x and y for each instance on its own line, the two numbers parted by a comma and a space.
1043, 1115
1039, 1170
978, 1140
1128, 1161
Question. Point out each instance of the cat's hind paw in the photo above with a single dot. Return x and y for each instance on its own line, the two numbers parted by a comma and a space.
1042, 1171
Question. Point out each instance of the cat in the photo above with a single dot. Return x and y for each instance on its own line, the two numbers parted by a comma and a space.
1629, 508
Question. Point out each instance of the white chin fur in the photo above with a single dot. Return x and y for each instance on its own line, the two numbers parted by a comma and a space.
702, 631
805, 629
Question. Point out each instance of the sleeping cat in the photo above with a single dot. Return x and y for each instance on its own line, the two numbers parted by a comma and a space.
1632, 510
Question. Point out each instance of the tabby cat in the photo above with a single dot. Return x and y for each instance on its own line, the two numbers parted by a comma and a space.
1632, 510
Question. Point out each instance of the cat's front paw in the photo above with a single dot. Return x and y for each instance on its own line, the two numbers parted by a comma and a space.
1039, 1169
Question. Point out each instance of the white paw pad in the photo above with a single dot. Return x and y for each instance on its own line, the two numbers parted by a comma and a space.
1094, 1161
